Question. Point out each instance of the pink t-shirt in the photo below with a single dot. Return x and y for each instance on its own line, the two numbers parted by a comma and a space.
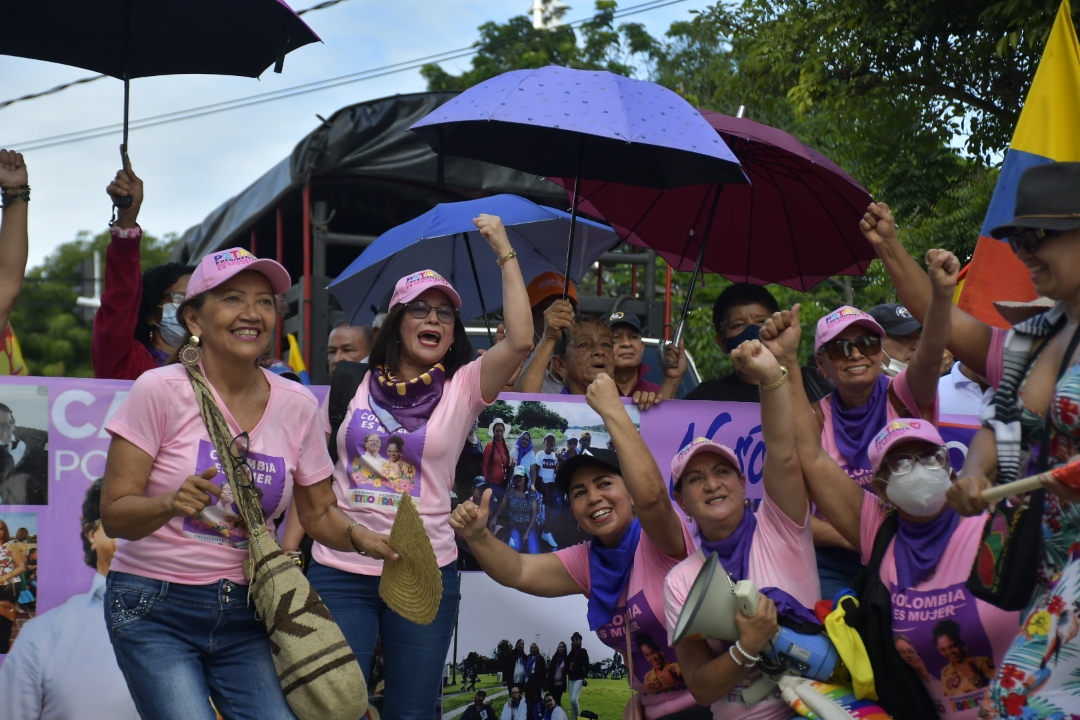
995, 358
421, 463
781, 556
663, 691
863, 476
161, 417
955, 673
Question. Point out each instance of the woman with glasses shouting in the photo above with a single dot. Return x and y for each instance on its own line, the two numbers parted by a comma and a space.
847, 347
176, 602
421, 397
921, 576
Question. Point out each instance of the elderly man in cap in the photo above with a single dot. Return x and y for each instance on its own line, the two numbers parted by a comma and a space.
551, 315
902, 333
630, 372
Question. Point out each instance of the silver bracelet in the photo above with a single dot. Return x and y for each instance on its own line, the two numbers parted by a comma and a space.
731, 652
348, 534
752, 659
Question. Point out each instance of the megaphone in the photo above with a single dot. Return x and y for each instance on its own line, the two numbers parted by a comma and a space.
709, 614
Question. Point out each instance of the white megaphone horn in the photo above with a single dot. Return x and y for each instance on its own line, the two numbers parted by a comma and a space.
709, 612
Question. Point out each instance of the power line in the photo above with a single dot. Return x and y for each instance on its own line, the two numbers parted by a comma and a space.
83, 81
296, 90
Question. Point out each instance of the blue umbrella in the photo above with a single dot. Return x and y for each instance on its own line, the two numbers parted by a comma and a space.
582, 124
445, 240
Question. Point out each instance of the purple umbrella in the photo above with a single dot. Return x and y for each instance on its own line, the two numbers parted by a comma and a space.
142, 38
795, 225
584, 124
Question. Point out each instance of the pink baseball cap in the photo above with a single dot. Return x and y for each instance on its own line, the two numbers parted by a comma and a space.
412, 286
840, 319
700, 445
901, 431
217, 267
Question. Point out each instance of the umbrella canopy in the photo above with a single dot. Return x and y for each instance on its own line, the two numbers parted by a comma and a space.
144, 38
559, 122
441, 240
795, 225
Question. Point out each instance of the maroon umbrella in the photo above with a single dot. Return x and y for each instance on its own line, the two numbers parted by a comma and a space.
796, 224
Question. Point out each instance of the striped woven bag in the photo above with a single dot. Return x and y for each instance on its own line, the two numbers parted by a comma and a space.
317, 670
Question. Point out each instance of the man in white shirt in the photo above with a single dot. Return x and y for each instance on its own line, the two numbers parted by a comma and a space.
61, 665
962, 392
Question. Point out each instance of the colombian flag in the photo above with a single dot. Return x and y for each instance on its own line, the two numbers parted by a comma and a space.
1048, 132
296, 360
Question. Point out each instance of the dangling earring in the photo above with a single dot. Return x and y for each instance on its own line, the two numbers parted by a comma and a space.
191, 353
746, 502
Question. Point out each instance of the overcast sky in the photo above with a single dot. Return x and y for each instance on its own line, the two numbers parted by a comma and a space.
193, 166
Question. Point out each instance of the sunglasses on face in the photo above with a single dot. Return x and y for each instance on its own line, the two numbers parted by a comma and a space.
841, 348
903, 463
1029, 239
421, 310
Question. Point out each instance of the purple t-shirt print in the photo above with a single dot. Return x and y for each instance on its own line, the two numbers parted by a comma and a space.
656, 669
220, 523
381, 465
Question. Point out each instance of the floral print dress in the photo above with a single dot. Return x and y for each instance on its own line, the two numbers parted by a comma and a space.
1040, 673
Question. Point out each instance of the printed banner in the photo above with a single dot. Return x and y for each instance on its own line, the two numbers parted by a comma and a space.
53, 446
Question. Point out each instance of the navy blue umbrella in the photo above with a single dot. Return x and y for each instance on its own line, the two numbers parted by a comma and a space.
445, 240
583, 124
144, 38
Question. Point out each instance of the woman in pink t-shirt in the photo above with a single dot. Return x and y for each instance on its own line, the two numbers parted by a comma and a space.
176, 600
925, 566
773, 547
621, 499
421, 397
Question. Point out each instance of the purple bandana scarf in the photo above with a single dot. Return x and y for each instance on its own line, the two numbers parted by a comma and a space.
919, 546
409, 403
734, 554
855, 428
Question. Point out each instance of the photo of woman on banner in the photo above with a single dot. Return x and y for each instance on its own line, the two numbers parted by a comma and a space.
619, 498
12, 566
422, 396
773, 547
522, 505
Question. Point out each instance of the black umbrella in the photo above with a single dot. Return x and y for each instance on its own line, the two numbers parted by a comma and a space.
129, 39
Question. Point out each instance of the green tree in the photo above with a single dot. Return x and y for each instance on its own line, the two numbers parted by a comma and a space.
597, 44
55, 339
497, 409
532, 414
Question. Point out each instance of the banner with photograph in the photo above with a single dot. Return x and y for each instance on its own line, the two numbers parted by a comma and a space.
53, 445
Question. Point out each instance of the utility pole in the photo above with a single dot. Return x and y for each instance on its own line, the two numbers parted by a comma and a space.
547, 14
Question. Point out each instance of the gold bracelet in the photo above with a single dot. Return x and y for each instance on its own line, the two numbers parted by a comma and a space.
508, 256
348, 534
778, 383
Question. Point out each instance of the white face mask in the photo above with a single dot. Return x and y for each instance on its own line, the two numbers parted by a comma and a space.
920, 492
894, 367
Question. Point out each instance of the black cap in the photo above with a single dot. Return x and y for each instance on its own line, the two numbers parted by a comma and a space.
622, 318
589, 456
1047, 198
895, 319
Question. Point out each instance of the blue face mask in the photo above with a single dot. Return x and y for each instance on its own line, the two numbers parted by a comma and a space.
169, 327
750, 332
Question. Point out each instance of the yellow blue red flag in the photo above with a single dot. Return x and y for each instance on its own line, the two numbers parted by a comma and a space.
1048, 132
296, 360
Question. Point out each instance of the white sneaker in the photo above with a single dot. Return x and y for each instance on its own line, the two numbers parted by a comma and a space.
550, 539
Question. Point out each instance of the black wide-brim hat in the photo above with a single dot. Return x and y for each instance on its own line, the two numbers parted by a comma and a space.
589, 456
1047, 198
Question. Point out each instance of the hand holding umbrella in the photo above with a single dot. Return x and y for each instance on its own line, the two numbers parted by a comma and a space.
126, 191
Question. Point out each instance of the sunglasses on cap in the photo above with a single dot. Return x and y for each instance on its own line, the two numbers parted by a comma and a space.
903, 463
421, 310
1029, 239
841, 348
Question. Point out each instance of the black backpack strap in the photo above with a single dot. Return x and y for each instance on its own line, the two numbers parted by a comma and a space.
347, 379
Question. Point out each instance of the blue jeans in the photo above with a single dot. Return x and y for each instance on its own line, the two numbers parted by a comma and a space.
413, 655
179, 646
